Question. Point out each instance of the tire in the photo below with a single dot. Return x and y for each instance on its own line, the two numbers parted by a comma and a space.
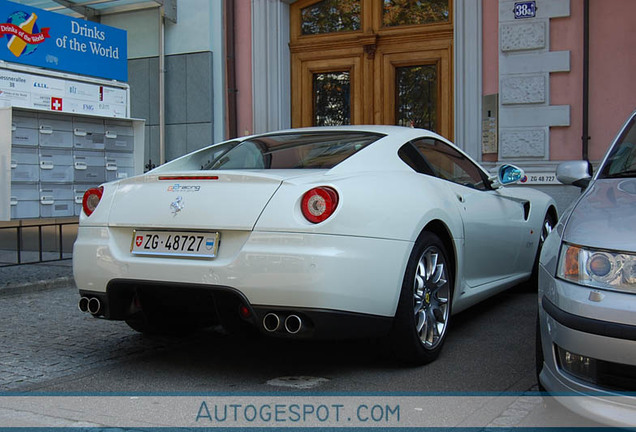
538, 360
421, 321
546, 229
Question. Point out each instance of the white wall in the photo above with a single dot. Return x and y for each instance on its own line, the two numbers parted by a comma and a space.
143, 31
199, 28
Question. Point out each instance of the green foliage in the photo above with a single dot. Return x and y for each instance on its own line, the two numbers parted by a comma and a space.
408, 12
329, 16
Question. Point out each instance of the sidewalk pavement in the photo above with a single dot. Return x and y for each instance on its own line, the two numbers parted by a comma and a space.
18, 279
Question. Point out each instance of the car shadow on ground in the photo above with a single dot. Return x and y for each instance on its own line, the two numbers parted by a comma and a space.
489, 347
211, 360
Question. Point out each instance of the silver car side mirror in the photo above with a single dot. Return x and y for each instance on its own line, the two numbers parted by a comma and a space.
575, 173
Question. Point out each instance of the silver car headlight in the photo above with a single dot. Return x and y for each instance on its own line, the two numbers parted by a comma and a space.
597, 268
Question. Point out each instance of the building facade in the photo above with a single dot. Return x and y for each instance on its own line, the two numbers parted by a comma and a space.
176, 74
528, 82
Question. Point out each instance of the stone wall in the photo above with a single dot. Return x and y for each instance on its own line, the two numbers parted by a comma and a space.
526, 62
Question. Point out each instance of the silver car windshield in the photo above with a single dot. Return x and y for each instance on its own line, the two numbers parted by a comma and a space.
621, 161
320, 150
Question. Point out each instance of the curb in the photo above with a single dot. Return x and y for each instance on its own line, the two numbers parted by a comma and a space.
35, 286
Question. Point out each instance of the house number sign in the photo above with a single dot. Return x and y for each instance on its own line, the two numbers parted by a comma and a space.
526, 9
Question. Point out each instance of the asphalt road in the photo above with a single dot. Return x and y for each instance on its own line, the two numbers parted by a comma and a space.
48, 347
489, 348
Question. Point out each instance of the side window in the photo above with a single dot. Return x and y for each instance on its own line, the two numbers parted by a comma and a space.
449, 164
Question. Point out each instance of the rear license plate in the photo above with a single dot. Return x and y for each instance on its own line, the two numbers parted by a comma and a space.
175, 243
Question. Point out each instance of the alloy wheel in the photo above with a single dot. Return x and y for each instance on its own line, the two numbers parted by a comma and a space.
546, 229
431, 293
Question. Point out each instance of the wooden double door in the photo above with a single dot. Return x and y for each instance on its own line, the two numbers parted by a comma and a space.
372, 62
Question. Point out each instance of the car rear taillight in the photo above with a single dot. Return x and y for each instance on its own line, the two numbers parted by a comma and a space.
319, 203
91, 199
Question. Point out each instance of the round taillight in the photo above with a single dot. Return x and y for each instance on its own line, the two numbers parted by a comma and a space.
91, 199
319, 203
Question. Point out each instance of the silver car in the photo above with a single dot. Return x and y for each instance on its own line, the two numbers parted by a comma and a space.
586, 331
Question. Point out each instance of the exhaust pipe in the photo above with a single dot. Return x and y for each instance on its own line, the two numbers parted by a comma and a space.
82, 304
271, 322
94, 305
293, 324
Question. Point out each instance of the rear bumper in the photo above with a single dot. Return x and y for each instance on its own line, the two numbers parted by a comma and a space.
124, 299
275, 270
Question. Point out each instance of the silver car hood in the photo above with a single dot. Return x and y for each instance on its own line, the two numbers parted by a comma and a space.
605, 216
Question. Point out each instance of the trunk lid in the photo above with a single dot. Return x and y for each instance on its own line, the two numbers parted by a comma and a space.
219, 200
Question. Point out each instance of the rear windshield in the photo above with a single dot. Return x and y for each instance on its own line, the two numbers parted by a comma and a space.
317, 150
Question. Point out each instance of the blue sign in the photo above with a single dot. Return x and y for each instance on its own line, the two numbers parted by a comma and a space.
49, 40
525, 9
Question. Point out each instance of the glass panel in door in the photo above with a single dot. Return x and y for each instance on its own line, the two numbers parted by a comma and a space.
332, 98
416, 96
414, 12
330, 16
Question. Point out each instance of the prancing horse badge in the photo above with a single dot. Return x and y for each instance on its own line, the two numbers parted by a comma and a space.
177, 205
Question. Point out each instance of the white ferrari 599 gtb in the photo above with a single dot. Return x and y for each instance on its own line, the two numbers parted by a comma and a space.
357, 231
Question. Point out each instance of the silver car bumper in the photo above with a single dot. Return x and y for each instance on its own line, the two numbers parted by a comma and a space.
588, 339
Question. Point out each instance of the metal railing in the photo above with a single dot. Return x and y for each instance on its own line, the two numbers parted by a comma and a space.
36, 241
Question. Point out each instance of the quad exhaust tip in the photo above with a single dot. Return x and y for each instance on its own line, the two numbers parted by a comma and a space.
82, 305
94, 306
271, 322
292, 324
91, 305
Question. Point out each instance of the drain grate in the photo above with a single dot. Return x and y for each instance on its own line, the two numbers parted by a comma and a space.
299, 382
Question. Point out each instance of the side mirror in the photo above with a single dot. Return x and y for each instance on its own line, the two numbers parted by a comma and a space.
575, 173
507, 175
